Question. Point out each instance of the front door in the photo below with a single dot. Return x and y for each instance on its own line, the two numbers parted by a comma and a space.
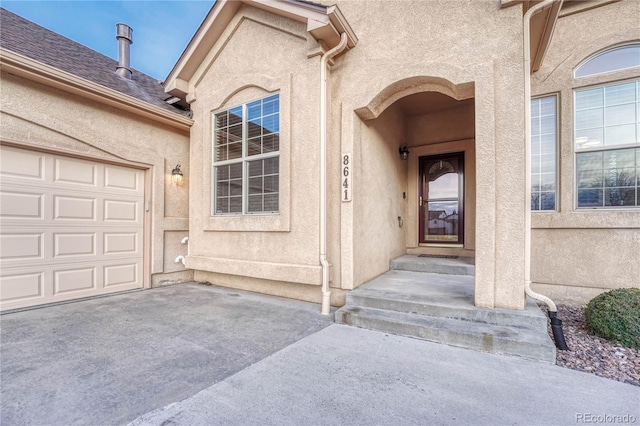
441, 199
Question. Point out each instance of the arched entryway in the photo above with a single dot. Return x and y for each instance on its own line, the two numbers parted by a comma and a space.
435, 120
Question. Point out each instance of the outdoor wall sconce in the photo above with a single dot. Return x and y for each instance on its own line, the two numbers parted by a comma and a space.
404, 151
176, 175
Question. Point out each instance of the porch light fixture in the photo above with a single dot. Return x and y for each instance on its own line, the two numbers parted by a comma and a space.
176, 175
404, 151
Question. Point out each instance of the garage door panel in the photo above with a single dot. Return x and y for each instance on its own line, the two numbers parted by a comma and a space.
121, 210
76, 172
74, 208
74, 280
121, 275
20, 287
20, 164
70, 228
74, 244
120, 178
118, 243
21, 246
21, 205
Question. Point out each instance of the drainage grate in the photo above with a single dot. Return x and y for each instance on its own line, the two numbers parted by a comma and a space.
439, 256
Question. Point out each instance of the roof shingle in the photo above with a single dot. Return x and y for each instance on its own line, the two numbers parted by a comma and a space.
40, 44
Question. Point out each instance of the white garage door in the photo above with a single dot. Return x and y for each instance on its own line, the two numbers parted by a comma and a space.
69, 228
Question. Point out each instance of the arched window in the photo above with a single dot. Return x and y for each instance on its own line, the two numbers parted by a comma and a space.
617, 58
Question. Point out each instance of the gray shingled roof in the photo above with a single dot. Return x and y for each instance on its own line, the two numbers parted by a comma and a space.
40, 44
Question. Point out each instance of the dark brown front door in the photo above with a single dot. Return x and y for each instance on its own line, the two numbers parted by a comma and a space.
441, 199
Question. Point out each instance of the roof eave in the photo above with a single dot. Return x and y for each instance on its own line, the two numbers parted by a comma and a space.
25, 67
542, 26
325, 24
545, 21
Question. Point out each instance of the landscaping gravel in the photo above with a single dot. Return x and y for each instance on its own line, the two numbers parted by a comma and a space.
592, 354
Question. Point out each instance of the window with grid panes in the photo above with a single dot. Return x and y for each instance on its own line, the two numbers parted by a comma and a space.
543, 153
607, 145
246, 158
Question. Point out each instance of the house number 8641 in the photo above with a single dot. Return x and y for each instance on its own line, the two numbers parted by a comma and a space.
347, 171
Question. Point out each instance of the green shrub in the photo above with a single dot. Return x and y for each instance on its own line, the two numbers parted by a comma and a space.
615, 316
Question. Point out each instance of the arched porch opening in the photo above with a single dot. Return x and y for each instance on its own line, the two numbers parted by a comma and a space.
426, 204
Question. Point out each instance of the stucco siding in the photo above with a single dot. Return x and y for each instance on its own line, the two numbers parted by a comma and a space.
467, 50
380, 181
259, 54
574, 260
578, 253
462, 43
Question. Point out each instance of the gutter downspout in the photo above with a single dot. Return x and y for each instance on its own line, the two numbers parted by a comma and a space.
556, 323
326, 293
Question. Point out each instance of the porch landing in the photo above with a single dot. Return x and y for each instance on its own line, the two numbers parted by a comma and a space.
439, 307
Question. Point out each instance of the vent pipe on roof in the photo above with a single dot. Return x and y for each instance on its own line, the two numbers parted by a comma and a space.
123, 35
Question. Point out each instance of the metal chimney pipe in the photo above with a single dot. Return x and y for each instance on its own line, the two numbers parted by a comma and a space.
123, 35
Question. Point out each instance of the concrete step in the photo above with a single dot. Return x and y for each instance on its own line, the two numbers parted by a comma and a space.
483, 337
439, 295
435, 265
440, 308
531, 318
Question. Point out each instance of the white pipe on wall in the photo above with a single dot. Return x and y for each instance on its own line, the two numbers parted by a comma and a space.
182, 259
326, 293
527, 135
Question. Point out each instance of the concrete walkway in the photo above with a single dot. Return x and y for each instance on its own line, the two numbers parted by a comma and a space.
198, 355
349, 376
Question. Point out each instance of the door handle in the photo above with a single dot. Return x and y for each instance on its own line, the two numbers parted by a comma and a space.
421, 201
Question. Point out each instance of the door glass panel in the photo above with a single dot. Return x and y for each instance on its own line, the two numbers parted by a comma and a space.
442, 193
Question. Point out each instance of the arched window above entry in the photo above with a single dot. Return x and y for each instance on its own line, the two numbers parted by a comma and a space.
617, 58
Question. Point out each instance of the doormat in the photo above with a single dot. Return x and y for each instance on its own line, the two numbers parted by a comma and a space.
439, 256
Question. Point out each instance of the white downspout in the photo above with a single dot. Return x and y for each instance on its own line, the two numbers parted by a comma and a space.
527, 136
326, 293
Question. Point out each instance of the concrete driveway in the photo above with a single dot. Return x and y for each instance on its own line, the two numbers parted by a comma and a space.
109, 360
195, 355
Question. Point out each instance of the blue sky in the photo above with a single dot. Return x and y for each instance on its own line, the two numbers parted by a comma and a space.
161, 29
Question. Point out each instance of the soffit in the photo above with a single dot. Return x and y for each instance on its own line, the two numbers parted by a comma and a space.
542, 25
325, 24
428, 102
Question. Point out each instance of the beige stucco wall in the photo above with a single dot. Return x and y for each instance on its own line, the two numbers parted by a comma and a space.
434, 46
463, 49
466, 50
35, 116
379, 181
276, 254
578, 253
